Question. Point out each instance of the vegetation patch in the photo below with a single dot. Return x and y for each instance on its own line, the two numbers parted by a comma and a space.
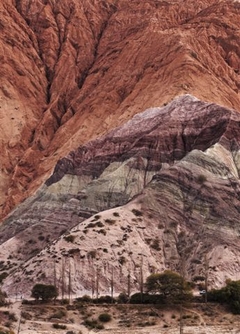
93, 323
96, 224
137, 212
59, 326
201, 179
59, 314
155, 244
110, 221
105, 317
69, 238
96, 217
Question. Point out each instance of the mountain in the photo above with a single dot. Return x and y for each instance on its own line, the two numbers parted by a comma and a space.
161, 189
119, 141
73, 70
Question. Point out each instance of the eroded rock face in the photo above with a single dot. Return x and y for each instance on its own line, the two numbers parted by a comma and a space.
73, 70
168, 182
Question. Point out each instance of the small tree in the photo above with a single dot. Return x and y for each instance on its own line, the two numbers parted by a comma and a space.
44, 292
170, 285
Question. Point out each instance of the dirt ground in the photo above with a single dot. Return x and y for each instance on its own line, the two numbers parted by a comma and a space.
125, 318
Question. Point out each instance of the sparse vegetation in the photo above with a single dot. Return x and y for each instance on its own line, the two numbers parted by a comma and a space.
93, 323
137, 212
102, 231
92, 254
69, 238
96, 217
201, 179
155, 244
193, 54
59, 326
96, 224
110, 221
59, 314
12, 317
122, 260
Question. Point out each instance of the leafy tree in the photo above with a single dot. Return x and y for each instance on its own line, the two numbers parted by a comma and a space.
170, 285
230, 294
44, 292
122, 298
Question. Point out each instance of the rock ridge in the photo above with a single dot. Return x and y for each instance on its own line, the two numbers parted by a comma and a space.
120, 202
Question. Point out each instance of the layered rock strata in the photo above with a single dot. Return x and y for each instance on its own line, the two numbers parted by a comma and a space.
160, 190
73, 70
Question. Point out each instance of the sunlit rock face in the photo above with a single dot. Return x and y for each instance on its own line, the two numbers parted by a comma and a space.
73, 70
159, 191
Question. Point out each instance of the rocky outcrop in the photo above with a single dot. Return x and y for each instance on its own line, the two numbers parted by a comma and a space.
71, 71
160, 190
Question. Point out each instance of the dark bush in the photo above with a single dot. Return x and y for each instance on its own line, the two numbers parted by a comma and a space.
104, 317
69, 238
137, 212
93, 324
122, 298
44, 292
104, 300
59, 326
84, 299
146, 298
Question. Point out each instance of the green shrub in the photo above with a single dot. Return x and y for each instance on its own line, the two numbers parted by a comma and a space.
12, 317
137, 212
96, 217
145, 298
104, 317
59, 326
104, 300
59, 314
84, 299
201, 179
92, 323
69, 238
110, 221
122, 298
65, 301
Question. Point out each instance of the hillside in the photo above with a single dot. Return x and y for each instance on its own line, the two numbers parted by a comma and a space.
160, 189
119, 142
